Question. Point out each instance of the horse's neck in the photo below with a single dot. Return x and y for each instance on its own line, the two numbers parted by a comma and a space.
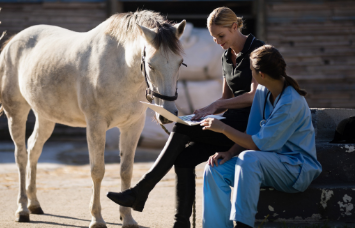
133, 53
129, 51
132, 48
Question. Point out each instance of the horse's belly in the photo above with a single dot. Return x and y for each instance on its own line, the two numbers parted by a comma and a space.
66, 117
59, 105
64, 114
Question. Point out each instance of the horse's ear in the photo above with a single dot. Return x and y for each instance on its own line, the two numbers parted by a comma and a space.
179, 28
148, 34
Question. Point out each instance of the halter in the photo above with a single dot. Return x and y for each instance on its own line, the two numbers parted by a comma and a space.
150, 94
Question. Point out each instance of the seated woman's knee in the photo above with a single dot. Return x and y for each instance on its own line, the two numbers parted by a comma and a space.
247, 158
211, 170
214, 168
208, 168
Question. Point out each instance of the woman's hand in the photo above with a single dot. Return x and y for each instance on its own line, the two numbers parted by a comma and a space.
208, 110
213, 125
225, 156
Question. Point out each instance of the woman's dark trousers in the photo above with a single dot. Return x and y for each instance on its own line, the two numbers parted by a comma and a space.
203, 143
186, 147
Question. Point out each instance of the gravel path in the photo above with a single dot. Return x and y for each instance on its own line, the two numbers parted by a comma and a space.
64, 190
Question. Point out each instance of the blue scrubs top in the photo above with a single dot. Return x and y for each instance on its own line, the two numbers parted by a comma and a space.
288, 131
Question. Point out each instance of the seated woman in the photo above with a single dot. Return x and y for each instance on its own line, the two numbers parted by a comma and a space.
278, 148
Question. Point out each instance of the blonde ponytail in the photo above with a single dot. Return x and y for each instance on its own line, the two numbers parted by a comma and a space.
225, 17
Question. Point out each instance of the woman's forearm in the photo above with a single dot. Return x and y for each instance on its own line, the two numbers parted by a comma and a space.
219, 108
228, 101
242, 101
235, 150
242, 139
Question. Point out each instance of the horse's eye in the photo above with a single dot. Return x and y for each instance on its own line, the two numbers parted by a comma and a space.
150, 66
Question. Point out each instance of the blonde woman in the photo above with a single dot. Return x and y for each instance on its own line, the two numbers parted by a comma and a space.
188, 146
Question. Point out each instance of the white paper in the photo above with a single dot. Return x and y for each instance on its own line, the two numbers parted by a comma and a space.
162, 111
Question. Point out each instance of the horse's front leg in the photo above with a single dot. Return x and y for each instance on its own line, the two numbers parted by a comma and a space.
96, 129
128, 143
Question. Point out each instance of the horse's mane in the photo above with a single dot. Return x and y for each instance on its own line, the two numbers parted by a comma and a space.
123, 27
6, 41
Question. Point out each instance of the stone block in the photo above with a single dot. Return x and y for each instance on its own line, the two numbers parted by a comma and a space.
338, 163
325, 121
317, 203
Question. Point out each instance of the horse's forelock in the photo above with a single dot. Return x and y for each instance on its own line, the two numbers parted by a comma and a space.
123, 27
167, 39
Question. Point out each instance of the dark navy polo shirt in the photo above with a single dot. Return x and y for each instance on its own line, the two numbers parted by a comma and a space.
239, 77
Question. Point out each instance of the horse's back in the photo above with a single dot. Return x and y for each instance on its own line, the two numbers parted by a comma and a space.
65, 75
31, 42
38, 66
28, 38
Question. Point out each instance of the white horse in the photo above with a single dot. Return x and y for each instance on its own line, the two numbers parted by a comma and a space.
91, 80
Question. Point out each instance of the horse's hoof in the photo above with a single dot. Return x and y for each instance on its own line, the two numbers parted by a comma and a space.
129, 222
130, 226
36, 210
97, 225
22, 218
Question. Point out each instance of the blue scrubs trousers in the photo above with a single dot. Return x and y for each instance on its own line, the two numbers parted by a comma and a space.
246, 173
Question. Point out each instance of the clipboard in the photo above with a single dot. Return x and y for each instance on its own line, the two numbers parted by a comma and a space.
179, 119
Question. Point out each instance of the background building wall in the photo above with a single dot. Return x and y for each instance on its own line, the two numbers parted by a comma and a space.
317, 39
76, 16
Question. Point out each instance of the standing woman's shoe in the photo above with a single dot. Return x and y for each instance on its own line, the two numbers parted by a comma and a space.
185, 196
135, 197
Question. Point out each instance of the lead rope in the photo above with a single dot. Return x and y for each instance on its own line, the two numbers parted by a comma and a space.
164, 128
194, 205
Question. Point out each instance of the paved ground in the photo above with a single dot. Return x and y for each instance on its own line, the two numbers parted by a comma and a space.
64, 190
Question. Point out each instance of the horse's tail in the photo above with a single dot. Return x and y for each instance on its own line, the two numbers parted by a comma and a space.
3, 46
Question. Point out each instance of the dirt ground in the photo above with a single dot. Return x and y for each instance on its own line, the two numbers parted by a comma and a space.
64, 189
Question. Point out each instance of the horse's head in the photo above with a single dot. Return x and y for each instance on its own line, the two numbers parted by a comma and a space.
161, 52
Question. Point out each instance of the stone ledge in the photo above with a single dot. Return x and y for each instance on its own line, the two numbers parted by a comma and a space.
317, 203
338, 163
325, 121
